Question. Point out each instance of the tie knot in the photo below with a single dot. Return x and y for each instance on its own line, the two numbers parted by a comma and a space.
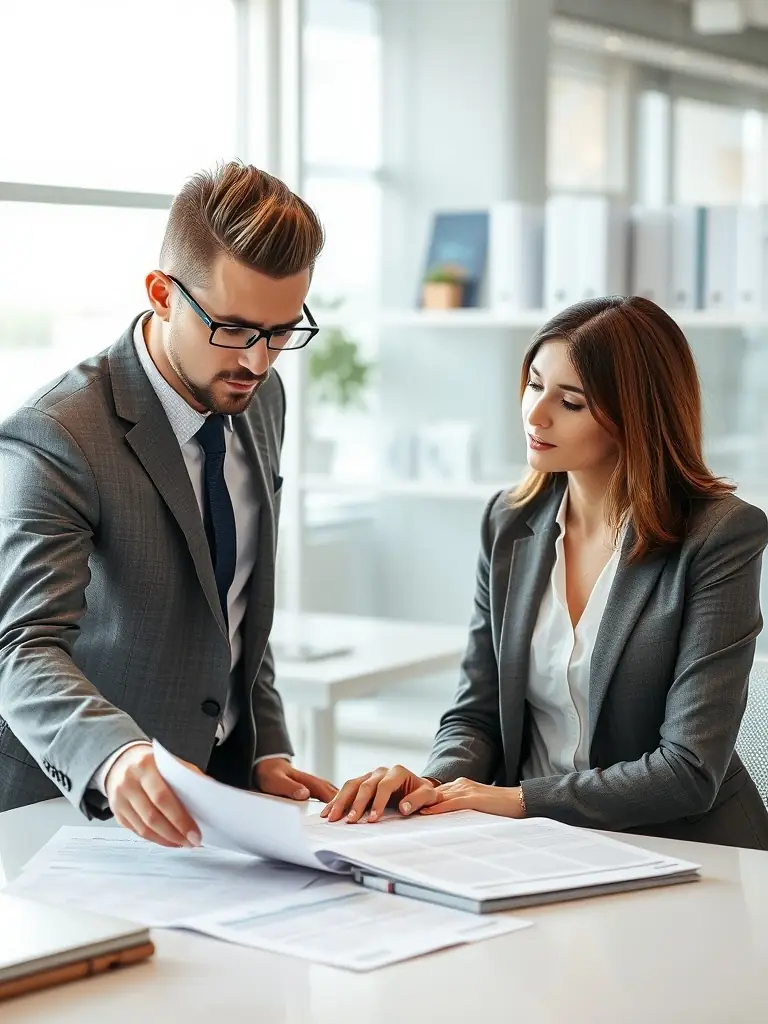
211, 435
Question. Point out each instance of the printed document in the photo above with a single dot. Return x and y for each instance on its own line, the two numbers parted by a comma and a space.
245, 900
464, 854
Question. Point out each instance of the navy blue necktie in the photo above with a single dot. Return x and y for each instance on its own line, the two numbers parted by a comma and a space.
219, 514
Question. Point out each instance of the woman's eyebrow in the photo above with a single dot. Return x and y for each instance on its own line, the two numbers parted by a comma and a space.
563, 387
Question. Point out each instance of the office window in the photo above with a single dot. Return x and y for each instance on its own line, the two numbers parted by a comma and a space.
69, 285
652, 148
350, 212
578, 133
755, 140
342, 149
341, 120
711, 160
116, 95
342, 67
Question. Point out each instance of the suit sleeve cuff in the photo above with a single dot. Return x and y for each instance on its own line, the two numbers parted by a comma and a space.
99, 779
268, 757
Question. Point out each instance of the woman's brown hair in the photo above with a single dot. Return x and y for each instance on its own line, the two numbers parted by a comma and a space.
640, 383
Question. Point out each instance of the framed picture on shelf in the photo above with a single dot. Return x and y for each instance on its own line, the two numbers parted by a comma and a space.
457, 255
447, 451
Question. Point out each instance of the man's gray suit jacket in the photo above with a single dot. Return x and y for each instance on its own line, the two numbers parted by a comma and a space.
110, 624
668, 677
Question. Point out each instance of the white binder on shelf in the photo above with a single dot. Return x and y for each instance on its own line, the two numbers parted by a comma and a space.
688, 229
561, 257
650, 254
516, 256
586, 242
720, 258
751, 244
603, 246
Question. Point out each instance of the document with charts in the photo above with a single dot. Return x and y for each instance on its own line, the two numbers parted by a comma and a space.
467, 860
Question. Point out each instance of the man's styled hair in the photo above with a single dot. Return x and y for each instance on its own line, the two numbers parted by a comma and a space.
245, 214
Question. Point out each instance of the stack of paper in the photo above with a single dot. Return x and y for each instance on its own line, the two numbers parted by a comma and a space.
469, 860
244, 900
271, 876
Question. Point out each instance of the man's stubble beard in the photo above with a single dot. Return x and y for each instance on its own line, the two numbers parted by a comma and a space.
204, 394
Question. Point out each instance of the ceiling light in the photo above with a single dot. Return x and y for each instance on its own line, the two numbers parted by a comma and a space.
718, 17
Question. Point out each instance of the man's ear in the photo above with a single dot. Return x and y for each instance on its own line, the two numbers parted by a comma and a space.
158, 287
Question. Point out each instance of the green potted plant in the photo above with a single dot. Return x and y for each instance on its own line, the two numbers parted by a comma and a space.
338, 379
443, 287
337, 373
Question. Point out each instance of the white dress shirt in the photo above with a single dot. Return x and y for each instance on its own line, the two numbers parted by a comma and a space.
185, 422
558, 678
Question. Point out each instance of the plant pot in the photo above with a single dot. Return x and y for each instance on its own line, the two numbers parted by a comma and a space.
442, 294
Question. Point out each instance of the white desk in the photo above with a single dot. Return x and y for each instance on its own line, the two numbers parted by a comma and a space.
382, 652
695, 952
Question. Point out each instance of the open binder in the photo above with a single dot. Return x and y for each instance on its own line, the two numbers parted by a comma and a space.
466, 860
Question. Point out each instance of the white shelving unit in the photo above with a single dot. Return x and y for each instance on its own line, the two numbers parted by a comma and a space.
478, 319
525, 319
534, 318
472, 489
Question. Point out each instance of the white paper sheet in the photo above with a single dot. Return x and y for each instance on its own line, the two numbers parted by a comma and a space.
344, 925
277, 907
488, 857
234, 819
466, 854
112, 871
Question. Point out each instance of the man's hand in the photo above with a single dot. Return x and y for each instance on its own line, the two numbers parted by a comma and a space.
377, 789
278, 777
142, 801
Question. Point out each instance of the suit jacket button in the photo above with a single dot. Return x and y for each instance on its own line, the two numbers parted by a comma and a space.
212, 708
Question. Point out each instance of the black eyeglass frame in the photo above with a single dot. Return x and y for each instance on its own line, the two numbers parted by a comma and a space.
260, 332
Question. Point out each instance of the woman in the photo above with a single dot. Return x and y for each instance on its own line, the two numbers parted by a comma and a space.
616, 607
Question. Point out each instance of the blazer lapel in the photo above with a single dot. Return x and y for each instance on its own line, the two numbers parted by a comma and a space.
251, 435
261, 597
156, 447
631, 588
531, 562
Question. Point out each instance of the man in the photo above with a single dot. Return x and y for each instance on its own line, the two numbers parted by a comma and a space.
139, 498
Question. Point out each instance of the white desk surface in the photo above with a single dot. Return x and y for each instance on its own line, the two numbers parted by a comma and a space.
696, 952
382, 651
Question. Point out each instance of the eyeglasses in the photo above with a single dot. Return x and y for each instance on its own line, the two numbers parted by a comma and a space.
225, 335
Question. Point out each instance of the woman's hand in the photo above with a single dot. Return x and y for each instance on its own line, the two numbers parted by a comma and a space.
465, 795
376, 790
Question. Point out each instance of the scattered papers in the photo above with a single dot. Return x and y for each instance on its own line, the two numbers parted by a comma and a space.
245, 900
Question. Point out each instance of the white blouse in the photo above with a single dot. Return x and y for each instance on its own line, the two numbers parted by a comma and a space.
558, 679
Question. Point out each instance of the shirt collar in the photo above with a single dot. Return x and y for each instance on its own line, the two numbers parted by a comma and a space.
561, 512
184, 420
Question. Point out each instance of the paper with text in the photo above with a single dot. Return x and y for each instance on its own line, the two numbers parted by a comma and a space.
115, 872
482, 856
266, 905
347, 926
465, 854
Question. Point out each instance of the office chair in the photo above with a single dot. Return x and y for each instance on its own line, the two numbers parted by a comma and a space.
752, 741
